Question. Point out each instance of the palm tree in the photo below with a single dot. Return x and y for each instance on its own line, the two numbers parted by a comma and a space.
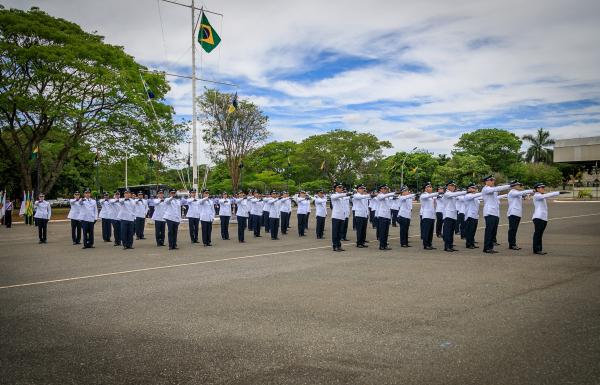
538, 151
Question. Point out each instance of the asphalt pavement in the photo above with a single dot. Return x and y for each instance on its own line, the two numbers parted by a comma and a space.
293, 312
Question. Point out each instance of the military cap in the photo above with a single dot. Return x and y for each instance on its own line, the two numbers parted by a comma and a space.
172, 190
489, 177
204, 191
360, 186
87, 190
538, 185
383, 186
451, 182
192, 190
76, 192
403, 188
515, 183
427, 184
471, 185
337, 184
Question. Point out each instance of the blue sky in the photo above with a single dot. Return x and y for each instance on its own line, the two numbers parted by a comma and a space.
414, 73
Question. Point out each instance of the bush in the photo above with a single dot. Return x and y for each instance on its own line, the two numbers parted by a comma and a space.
585, 193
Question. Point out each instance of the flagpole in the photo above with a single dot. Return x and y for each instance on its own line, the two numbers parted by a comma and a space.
194, 133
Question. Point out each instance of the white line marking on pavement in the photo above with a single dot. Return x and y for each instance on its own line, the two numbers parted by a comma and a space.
218, 260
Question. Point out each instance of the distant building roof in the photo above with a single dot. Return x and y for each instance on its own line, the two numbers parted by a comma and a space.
577, 150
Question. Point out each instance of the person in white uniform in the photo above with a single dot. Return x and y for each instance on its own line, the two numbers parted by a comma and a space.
173, 217
321, 209
428, 215
540, 215
405, 214
439, 211
74, 216
107, 214
89, 216
491, 212
384, 215
360, 205
42, 215
471, 201
450, 214
515, 211
158, 217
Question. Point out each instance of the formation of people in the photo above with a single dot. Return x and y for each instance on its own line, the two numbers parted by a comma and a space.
445, 211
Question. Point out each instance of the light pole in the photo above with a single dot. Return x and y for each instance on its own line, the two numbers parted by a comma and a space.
241, 166
402, 167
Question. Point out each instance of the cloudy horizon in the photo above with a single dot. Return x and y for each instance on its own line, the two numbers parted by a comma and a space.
414, 73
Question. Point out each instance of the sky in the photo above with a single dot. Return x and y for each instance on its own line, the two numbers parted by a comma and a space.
415, 73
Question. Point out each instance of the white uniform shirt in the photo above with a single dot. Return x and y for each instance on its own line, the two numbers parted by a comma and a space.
346, 200
360, 205
472, 201
450, 203
193, 205
173, 210
272, 206
286, 205
490, 199
89, 210
540, 210
141, 208
515, 202
406, 202
126, 209
75, 211
439, 204
159, 210
373, 205
338, 210
321, 205
383, 205
254, 206
303, 205
42, 210
107, 211
207, 210
427, 206
460, 204
242, 207
225, 207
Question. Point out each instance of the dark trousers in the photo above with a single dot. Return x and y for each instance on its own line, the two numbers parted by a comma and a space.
513, 226
460, 221
427, 231
372, 218
8, 218
448, 230
491, 228
207, 232
265, 220
256, 223
336, 232
376, 227
395, 217
345, 229
404, 226
307, 219
353, 221
383, 228
320, 228
242, 223
127, 233
439, 222
88, 233
302, 218
274, 227
285, 222
193, 224
225, 226
539, 226
76, 230
42, 225
150, 211
29, 220
250, 222
159, 232
116, 225
361, 230
106, 229
140, 223
172, 229
470, 230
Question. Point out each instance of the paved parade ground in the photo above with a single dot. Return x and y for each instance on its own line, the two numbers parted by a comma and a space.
293, 312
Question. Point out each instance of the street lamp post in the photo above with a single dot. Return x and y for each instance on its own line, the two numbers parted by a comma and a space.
241, 166
402, 167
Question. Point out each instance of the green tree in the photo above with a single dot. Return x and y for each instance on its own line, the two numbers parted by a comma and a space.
463, 168
341, 155
231, 135
531, 173
538, 151
61, 85
419, 167
499, 148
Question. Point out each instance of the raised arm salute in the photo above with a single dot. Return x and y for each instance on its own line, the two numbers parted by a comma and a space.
450, 214
338, 216
88, 215
384, 215
173, 217
192, 215
427, 215
43, 212
321, 206
515, 211
158, 217
540, 215
471, 201
360, 203
74, 216
491, 211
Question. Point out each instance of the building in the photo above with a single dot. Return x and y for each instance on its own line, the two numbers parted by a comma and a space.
583, 152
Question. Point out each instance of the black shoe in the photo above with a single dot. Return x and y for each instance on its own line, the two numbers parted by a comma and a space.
85, 247
41, 241
385, 248
361, 246
540, 252
345, 240
366, 241
258, 236
514, 248
274, 239
472, 247
74, 243
242, 241
125, 247
209, 244
490, 251
428, 248
340, 249
450, 250
438, 236
496, 244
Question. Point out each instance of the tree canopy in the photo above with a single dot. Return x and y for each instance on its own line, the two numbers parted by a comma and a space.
498, 148
61, 87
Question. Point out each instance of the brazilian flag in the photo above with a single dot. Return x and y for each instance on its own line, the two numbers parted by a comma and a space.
207, 37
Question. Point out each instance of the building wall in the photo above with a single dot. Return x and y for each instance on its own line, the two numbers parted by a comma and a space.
577, 150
